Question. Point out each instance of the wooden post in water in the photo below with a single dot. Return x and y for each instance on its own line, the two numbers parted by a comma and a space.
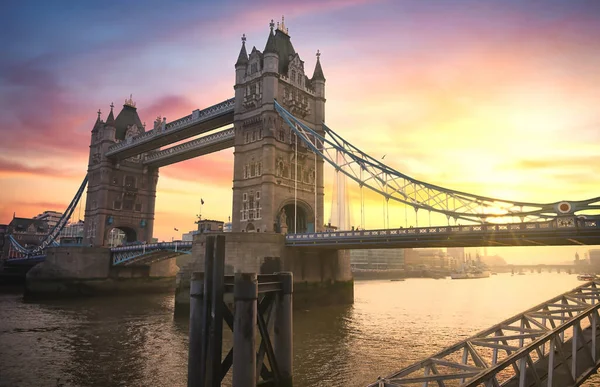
195, 351
244, 340
283, 330
216, 314
206, 311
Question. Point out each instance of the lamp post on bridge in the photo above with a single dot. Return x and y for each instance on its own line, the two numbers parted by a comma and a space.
112, 238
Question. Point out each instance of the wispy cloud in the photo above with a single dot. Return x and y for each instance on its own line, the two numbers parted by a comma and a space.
496, 97
11, 168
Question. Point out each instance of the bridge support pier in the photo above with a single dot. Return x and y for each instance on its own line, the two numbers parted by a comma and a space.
87, 271
322, 277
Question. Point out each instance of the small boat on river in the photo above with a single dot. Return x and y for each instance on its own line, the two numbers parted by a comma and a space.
586, 277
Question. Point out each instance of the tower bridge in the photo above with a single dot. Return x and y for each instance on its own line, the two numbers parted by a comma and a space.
275, 123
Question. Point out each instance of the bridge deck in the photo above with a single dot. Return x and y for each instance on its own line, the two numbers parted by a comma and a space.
550, 233
194, 148
552, 344
145, 254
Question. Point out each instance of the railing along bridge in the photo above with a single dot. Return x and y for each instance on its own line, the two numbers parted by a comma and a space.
571, 231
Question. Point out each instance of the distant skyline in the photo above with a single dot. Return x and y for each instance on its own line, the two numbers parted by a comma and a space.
497, 98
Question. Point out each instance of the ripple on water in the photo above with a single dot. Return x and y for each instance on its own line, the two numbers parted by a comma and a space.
134, 341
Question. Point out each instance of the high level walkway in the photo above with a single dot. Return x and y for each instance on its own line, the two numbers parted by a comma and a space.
552, 344
200, 121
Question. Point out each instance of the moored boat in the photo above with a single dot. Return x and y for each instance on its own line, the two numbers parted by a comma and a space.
586, 277
470, 274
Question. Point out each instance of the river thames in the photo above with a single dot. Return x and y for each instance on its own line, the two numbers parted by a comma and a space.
134, 341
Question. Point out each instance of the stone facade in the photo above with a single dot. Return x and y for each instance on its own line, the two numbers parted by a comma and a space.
119, 195
78, 270
321, 276
266, 172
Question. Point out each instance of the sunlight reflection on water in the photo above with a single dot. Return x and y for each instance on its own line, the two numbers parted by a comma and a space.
134, 341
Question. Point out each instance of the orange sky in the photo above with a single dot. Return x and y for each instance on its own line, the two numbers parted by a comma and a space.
496, 98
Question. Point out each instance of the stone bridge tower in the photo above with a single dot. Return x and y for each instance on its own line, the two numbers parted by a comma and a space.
120, 195
270, 185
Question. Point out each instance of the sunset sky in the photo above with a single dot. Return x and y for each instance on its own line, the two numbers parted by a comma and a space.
494, 97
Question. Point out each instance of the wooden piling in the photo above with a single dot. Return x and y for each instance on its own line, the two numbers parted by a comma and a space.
195, 350
284, 330
244, 340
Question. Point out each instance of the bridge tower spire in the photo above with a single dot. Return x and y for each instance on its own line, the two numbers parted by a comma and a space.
120, 194
277, 185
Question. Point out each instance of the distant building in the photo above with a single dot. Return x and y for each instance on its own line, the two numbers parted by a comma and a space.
580, 262
27, 232
594, 256
457, 253
412, 259
436, 258
189, 236
50, 217
377, 259
3, 239
72, 233
207, 225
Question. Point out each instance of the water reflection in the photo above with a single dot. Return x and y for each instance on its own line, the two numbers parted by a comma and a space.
134, 341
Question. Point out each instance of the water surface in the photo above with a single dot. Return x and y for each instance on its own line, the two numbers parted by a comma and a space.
134, 341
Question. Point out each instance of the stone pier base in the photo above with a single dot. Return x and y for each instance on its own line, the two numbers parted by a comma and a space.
322, 277
87, 271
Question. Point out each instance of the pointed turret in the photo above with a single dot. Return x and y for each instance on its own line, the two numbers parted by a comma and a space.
127, 118
243, 57
318, 74
110, 120
97, 123
271, 46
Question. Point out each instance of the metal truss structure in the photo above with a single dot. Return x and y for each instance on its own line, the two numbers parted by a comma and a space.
393, 185
50, 239
552, 344
148, 253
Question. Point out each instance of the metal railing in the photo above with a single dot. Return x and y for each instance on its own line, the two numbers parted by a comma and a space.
486, 228
551, 344
131, 253
201, 142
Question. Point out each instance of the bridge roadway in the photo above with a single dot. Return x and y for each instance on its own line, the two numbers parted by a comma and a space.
515, 234
200, 121
551, 344
551, 233
146, 254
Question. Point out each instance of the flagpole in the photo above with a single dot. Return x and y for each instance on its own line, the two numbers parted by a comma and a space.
201, 204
